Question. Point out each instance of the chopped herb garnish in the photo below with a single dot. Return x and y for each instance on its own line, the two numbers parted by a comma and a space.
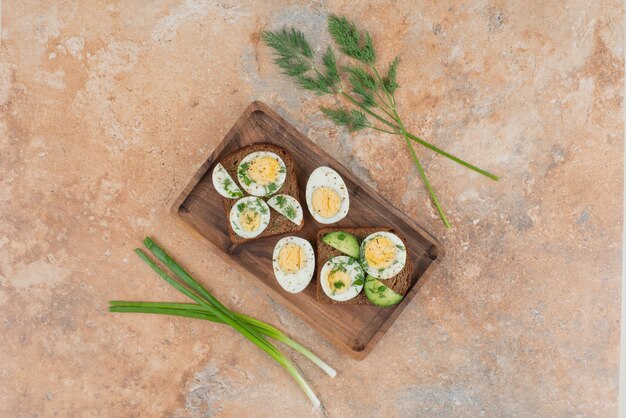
290, 212
243, 174
341, 237
280, 200
338, 284
358, 282
260, 206
382, 288
400, 247
241, 207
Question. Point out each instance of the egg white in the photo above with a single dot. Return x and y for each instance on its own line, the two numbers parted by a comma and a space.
398, 262
354, 270
224, 183
255, 204
298, 281
256, 189
290, 201
327, 177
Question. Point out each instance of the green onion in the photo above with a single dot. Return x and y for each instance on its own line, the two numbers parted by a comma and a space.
207, 307
192, 310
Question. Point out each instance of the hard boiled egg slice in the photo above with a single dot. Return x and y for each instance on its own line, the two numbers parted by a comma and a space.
327, 196
342, 278
224, 183
261, 173
287, 206
382, 255
249, 217
294, 263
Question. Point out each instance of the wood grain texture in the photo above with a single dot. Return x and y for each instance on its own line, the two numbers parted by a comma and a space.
354, 329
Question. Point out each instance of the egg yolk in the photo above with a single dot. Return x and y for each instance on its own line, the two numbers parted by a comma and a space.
263, 170
250, 220
291, 258
338, 281
380, 252
326, 202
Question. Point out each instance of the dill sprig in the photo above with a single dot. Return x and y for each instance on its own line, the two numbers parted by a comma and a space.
390, 83
372, 95
362, 83
292, 53
350, 41
354, 120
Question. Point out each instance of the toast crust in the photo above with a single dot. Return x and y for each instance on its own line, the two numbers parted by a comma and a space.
278, 223
400, 283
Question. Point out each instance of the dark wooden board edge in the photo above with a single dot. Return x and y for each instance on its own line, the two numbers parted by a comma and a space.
437, 251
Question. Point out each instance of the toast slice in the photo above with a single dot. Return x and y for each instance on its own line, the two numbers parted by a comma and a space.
400, 283
278, 223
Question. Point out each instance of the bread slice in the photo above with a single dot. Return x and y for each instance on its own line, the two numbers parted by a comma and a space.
400, 283
278, 223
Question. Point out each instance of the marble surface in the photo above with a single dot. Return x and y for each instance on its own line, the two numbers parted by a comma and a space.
107, 108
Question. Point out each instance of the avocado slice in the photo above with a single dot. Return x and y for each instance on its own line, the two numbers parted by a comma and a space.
344, 242
379, 294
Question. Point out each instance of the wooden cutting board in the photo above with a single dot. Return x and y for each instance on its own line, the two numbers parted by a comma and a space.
354, 329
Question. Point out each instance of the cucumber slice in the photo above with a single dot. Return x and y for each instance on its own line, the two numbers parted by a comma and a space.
379, 294
344, 242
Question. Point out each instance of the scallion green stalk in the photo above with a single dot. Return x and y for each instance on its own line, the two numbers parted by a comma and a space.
192, 310
209, 308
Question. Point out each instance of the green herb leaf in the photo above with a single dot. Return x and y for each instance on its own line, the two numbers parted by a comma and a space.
341, 237
382, 288
290, 212
390, 84
338, 284
354, 120
358, 282
295, 57
259, 204
280, 200
318, 84
330, 63
350, 41
363, 84
292, 50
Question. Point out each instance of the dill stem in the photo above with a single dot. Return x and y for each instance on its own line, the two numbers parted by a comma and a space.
386, 131
366, 110
419, 140
421, 171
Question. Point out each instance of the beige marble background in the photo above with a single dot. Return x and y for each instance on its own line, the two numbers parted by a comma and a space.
107, 108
